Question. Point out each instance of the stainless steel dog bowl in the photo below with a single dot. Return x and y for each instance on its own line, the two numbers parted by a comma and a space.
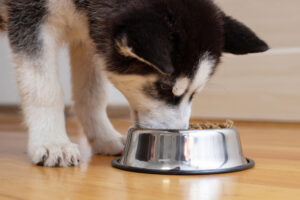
183, 152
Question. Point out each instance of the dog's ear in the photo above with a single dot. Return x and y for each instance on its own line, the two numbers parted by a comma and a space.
147, 41
239, 39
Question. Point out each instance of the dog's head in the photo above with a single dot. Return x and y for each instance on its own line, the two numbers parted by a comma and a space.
164, 52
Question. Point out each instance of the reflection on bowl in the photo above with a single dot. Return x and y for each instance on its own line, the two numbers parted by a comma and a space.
183, 151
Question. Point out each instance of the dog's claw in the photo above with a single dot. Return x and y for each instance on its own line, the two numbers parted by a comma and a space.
56, 155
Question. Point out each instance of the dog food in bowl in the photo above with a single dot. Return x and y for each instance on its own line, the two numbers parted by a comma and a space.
211, 125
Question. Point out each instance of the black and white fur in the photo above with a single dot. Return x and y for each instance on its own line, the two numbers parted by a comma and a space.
158, 53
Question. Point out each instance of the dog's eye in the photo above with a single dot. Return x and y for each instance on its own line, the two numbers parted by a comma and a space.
164, 86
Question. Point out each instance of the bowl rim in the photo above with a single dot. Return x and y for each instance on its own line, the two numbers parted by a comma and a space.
134, 128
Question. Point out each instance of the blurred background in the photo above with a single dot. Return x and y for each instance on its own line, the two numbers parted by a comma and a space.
259, 87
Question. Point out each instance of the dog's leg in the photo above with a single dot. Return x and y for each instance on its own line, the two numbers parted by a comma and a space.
89, 93
42, 100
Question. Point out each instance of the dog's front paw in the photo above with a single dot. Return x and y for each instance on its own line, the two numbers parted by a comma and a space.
109, 146
55, 155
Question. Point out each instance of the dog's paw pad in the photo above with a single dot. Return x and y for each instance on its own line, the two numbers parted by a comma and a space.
56, 155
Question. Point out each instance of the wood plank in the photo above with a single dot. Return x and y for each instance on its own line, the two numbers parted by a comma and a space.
274, 146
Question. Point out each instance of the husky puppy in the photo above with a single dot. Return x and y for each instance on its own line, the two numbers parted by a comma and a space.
158, 53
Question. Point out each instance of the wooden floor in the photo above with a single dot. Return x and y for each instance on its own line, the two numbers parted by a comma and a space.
274, 147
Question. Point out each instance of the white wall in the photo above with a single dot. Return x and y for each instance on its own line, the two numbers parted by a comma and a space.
8, 92
8, 89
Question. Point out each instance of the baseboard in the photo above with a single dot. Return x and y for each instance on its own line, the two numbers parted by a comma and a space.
122, 112
10, 109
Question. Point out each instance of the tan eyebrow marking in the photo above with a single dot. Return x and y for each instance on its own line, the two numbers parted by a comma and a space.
127, 51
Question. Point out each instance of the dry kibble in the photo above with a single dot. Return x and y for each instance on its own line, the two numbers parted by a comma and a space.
229, 124
210, 125
195, 126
